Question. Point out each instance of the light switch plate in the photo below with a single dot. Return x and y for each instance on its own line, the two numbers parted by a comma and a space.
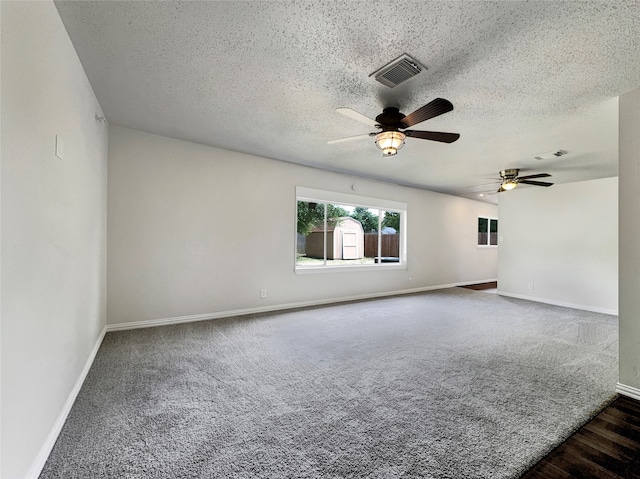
59, 147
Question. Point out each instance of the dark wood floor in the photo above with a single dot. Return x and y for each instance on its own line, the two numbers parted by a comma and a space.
606, 447
490, 285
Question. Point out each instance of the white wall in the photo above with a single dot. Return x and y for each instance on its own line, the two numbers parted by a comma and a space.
564, 240
630, 241
195, 230
53, 231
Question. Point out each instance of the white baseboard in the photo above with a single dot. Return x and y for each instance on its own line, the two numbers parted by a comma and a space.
45, 450
628, 391
613, 312
149, 323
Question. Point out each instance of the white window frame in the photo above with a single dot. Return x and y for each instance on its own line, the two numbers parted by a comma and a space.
313, 195
489, 219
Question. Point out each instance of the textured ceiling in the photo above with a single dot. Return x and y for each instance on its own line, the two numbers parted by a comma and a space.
525, 77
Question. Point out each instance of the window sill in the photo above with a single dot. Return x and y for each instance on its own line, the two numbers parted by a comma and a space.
343, 269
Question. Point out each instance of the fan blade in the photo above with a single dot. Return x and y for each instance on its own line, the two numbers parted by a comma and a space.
531, 177
430, 110
536, 183
356, 116
483, 184
432, 135
349, 138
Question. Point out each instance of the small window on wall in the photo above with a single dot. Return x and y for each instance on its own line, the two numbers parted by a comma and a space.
487, 232
338, 231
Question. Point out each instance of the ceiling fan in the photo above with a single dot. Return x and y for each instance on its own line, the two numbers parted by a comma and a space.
391, 121
509, 179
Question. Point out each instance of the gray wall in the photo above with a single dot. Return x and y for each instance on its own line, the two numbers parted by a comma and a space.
562, 240
195, 230
630, 240
53, 231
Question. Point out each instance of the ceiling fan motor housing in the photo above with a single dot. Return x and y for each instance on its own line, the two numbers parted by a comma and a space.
391, 119
510, 173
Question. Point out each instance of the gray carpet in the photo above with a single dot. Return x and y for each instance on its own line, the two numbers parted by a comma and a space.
446, 384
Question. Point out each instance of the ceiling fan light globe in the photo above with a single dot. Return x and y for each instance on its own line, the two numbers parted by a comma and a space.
509, 185
390, 142
389, 151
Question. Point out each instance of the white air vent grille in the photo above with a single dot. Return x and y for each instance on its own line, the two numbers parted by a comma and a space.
398, 71
550, 155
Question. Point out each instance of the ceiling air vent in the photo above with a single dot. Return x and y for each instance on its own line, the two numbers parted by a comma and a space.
549, 155
398, 71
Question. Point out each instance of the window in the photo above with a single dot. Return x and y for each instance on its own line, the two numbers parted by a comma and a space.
337, 231
487, 232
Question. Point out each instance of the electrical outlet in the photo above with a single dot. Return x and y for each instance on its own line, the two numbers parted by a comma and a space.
531, 285
263, 293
